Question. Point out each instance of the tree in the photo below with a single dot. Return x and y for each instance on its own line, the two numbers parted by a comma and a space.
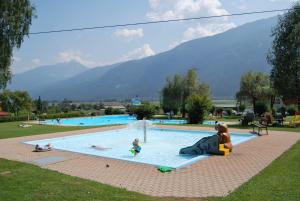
108, 111
285, 55
39, 105
179, 88
145, 110
65, 105
15, 101
254, 86
191, 85
261, 108
15, 19
197, 106
171, 94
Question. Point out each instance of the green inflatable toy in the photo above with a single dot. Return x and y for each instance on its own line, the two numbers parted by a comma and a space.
164, 169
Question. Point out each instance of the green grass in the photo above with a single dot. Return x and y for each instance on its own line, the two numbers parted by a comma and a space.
12, 129
25, 182
279, 181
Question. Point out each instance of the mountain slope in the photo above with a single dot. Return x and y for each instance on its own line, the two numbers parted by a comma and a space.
220, 61
45, 76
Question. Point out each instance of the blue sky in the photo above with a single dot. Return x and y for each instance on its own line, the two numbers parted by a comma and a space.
106, 46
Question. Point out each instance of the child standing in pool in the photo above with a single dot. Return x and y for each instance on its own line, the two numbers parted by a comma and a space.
136, 147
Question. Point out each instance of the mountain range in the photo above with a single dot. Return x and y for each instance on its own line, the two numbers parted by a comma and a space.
220, 60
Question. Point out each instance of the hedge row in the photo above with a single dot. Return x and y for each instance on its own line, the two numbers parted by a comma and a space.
48, 116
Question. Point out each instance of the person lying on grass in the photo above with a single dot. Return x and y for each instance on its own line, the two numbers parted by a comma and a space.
39, 148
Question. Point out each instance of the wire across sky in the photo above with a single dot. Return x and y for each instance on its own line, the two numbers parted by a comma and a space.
159, 21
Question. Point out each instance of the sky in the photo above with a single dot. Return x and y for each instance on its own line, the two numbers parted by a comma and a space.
101, 47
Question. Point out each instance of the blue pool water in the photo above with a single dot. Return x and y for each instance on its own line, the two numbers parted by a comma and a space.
113, 119
162, 145
94, 121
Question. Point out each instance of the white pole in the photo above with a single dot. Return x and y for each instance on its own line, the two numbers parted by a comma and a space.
145, 133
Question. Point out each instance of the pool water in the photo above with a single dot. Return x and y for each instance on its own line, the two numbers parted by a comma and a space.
113, 119
162, 147
94, 121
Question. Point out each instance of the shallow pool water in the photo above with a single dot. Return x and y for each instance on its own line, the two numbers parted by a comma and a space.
162, 147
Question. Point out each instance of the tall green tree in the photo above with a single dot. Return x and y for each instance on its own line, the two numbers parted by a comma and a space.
15, 101
175, 93
39, 105
172, 94
285, 55
191, 85
255, 87
15, 19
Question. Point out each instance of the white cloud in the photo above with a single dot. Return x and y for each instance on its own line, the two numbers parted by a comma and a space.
75, 55
130, 33
175, 9
138, 53
154, 3
36, 61
206, 30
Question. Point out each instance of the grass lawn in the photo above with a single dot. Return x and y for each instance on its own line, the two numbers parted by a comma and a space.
279, 181
12, 129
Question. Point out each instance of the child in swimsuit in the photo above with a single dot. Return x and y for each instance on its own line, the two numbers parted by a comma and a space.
136, 147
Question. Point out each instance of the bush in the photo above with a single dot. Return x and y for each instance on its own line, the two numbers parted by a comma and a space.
212, 109
260, 108
291, 109
108, 111
247, 118
62, 115
242, 107
219, 111
282, 111
145, 110
117, 111
15, 118
42, 117
229, 112
197, 106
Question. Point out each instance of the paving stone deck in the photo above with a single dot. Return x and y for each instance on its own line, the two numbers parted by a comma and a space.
214, 176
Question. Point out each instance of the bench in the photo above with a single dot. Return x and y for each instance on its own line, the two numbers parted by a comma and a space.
260, 128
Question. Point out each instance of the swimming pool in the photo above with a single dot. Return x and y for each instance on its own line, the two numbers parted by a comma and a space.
162, 147
111, 120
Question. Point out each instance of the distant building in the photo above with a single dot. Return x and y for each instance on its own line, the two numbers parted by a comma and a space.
4, 114
225, 104
136, 101
114, 105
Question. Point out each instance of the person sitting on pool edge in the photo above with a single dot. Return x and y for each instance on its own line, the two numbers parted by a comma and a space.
224, 136
136, 147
